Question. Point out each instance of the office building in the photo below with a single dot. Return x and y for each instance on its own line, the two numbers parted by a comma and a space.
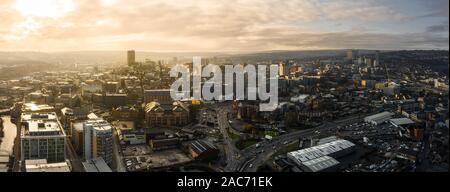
166, 115
97, 140
131, 57
42, 137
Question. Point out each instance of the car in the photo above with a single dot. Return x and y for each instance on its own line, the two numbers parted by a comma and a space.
285, 143
250, 166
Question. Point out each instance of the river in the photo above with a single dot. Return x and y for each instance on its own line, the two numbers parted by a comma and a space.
10, 130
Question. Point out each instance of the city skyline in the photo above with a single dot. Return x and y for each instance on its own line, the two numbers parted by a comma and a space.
66, 25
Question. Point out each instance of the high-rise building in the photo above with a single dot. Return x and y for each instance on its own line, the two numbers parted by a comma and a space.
352, 54
98, 140
281, 70
42, 137
131, 57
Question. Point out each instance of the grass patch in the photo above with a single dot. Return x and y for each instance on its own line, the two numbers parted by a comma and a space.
246, 143
233, 136
286, 149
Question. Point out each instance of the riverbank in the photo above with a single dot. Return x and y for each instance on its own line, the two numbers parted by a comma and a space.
9, 136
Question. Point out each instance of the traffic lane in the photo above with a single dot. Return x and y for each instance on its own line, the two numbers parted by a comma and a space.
280, 142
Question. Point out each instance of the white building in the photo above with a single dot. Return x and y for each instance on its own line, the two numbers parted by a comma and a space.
315, 156
41, 165
379, 118
98, 140
42, 137
320, 164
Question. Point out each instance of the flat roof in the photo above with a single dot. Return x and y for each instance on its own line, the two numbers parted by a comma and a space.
36, 107
378, 116
96, 165
326, 149
37, 116
41, 165
43, 126
402, 121
41, 123
98, 124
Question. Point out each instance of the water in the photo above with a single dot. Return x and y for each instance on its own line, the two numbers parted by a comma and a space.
10, 130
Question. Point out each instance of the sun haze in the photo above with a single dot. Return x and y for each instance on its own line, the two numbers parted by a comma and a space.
217, 25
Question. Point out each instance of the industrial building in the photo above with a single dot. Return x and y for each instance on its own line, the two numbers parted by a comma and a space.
202, 150
42, 137
401, 122
313, 158
321, 164
379, 118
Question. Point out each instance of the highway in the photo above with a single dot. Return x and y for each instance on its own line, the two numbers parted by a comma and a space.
231, 152
253, 157
249, 159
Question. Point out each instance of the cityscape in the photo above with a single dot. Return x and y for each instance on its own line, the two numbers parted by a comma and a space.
356, 104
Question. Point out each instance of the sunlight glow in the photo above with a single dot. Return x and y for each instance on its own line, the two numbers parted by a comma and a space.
44, 8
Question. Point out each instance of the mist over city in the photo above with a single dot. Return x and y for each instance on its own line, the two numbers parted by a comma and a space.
360, 86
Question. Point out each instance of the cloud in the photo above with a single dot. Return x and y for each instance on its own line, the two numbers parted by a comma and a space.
208, 25
438, 28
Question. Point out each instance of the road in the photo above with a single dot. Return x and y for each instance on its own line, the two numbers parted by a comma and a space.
117, 160
72, 156
253, 157
249, 159
231, 152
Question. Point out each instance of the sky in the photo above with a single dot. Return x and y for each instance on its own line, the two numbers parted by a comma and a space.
222, 25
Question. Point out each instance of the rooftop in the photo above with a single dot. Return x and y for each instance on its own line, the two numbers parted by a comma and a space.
402, 121
41, 124
41, 165
320, 163
96, 165
98, 124
326, 149
157, 92
32, 107
202, 146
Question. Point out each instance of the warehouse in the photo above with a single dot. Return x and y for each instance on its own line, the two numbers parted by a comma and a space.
334, 149
321, 164
379, 118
